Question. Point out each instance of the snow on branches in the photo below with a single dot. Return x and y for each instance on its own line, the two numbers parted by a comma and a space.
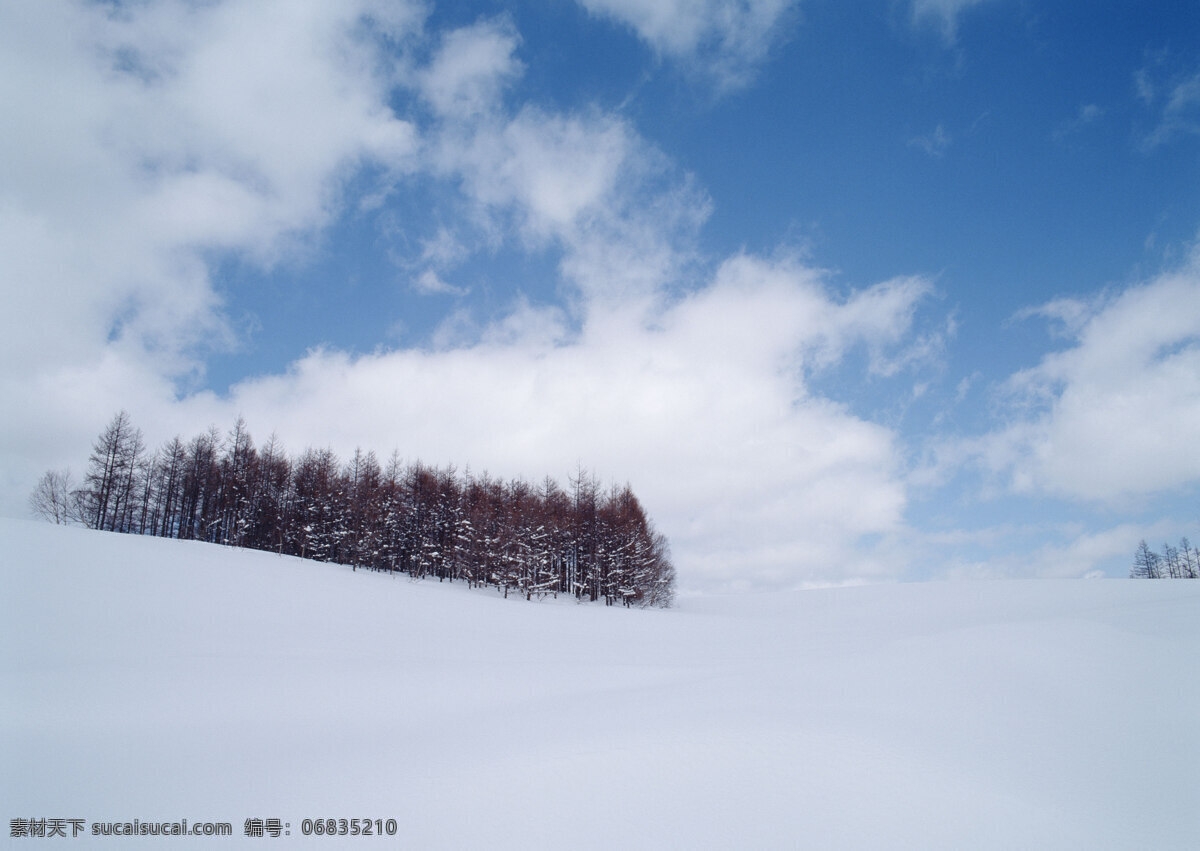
535, 541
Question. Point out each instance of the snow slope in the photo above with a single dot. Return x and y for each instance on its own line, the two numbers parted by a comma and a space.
161, 680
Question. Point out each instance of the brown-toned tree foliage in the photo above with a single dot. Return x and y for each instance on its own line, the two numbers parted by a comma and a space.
412, 519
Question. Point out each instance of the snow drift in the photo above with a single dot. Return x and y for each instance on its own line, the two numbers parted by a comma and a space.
162, 680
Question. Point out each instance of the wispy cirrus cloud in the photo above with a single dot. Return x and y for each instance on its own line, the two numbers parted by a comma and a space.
429, 282
1180, 113
1168, 89
944, 14
933, 144
1087, 115
724, 41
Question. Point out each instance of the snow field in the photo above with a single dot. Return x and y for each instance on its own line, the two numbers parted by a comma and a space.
156, 679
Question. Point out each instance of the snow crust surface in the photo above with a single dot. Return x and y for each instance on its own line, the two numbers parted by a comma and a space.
162, 680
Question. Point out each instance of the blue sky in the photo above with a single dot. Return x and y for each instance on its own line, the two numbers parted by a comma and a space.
888, 290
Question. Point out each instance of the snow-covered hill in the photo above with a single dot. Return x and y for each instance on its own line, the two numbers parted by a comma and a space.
162, 680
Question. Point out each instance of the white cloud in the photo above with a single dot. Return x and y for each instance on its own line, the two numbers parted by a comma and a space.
1181, 115
443, 249
471, 68
582, 182
704, 409
169, 129
1117, 415
177, 132
1069, 314
1174, 96
943, 13
1185, 95
430, 283
1072, 553
551, 169
1144, 85
723, 40
585, 183
1086, 553
935, 144
1087, 115
146, 136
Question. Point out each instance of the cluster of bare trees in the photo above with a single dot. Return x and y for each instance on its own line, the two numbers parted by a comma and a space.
1182, 562
592, 543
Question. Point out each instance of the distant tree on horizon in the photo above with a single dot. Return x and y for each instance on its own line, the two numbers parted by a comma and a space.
1191, 559
107, 494
53, 500
1145, 563
1182, 562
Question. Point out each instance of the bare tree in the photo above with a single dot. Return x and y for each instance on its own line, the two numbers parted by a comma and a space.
169, 490
1191, 559
1145, 563
1170, 560
110, 483
52, 499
